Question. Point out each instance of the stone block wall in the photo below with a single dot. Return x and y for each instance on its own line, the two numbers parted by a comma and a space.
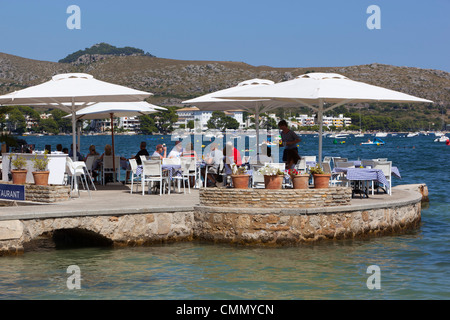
283, 198
275, 227
124, 230
46, 194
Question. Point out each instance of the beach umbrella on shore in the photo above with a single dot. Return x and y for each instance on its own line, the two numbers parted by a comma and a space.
315, 90
212, 103
110, 110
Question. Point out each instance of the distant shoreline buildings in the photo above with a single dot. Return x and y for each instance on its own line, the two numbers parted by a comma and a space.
190, 117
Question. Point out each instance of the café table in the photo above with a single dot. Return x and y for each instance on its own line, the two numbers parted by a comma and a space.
362, 176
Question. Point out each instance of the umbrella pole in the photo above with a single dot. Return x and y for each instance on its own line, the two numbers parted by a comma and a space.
257, 129
74, 143
112, 142
320, 118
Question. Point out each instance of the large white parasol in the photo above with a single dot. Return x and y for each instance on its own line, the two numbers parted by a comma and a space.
314, 90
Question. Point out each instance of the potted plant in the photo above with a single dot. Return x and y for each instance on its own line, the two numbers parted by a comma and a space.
19, 173
240, 177
299, 180
273, 177
321, 179
41, 174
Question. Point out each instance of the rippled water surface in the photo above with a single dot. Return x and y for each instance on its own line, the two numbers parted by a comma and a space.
413, 266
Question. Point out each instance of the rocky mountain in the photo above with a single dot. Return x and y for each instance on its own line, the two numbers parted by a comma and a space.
173, 81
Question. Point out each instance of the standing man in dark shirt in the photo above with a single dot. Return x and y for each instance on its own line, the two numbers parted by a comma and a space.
289, 139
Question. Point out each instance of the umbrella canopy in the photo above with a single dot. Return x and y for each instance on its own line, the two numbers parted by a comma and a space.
314, 90
211, 101
103, 110
71, 92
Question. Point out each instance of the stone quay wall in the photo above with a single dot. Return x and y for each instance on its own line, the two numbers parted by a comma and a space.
124, 230
234, 224
283, 198
284, 227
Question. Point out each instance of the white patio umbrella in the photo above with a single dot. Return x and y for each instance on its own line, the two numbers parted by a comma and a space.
103, 110
318, 89
212, 103
71, 92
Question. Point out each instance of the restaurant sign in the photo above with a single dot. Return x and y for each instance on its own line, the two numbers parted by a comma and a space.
12, 192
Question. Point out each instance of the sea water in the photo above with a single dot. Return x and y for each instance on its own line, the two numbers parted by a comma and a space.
415, 265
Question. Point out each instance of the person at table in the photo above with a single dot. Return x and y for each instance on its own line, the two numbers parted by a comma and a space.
213, 160
142, 152
289, 139
161, 151
79, 155
231, 154
59, 147
92, 152
189, 151
292, 158
176, 151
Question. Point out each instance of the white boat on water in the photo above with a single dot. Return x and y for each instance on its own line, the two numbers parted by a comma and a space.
441, 139
412, 134
375, 142
338, 135
381, 134
359, 135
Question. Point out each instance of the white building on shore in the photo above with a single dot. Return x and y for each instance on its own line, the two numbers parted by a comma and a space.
201, 117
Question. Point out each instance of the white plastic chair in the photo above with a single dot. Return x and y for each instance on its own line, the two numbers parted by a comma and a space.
301, 165
386, 167
109, 168
77, 170
144, 158
152, 172
257, 178
133, 169
365, 163
175, 161
310, 158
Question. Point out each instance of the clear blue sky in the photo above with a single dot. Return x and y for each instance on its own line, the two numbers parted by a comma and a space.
283, 33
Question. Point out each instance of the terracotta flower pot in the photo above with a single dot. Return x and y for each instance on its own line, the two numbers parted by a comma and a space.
300, 181
19, 176
240, 181
321, 181
41, 178
273, 182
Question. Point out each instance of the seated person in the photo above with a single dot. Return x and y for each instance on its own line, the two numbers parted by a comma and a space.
214, 158
161, 151
189, 151
176, 151
92, 152
79, 155
232, 153
142, 152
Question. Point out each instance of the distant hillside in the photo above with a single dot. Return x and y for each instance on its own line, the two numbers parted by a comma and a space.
172, 81
102, 49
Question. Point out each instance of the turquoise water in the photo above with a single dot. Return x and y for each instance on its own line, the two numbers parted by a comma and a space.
412, 266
